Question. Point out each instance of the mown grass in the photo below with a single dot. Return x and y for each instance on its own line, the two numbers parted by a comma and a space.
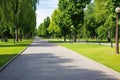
102, 54
8, 49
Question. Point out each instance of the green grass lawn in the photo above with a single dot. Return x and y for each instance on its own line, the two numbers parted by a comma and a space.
102, 54
8, 50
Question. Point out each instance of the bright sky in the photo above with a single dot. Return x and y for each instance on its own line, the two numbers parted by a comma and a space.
45, 9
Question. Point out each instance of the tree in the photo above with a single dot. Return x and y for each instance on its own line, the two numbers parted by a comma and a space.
76, 11
27, 19
116, 3
42, 29
53, 27
5, 17
16, 15
73, 12
64, 22
63, 19
104, 16
101, 31
90, 25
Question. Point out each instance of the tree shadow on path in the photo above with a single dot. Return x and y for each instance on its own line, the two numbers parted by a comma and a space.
47, 66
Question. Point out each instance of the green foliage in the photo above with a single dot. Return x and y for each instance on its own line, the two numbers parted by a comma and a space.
19, 16
64, 21
104, 12
76, 11
100, 11
53, 27
89, 22
69, 13
99, 19
116, 3
42, 29
102, 32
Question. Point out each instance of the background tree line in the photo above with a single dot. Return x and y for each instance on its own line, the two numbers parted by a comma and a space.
17, 18
83, 19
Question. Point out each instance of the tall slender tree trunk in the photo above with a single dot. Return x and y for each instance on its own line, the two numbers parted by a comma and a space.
109, 40
64, 37
16, 34
75, 35
20, 35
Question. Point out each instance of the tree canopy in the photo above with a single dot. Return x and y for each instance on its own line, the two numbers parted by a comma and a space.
70, 13
18, 16
42, 29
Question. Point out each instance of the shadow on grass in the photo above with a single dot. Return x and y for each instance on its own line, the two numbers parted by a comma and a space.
61, 41
14, 45
95, 41
5, 58
47, 66
78, 42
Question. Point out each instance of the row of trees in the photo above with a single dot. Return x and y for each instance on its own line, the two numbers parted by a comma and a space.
100, 19
69, 13
42, 29
17, 18
83, 18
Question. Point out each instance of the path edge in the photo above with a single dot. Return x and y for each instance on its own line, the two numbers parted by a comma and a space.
117, 74
12, 59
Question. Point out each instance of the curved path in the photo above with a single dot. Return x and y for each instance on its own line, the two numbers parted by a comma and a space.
46, 61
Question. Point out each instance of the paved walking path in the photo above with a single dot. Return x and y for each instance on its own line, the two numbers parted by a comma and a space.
46, 61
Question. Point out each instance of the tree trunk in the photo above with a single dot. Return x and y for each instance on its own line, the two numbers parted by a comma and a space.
111, 44
109, 35
20, 35
75, 35
99, 42
64, 37
87, 40
16, 34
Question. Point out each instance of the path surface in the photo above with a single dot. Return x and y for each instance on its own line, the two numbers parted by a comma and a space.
46, 61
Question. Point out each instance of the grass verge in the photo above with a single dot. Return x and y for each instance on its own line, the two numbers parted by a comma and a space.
8, 50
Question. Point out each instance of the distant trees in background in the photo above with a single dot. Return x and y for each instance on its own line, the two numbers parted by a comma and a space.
42, 29
84, 19
69, 13
17, 18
